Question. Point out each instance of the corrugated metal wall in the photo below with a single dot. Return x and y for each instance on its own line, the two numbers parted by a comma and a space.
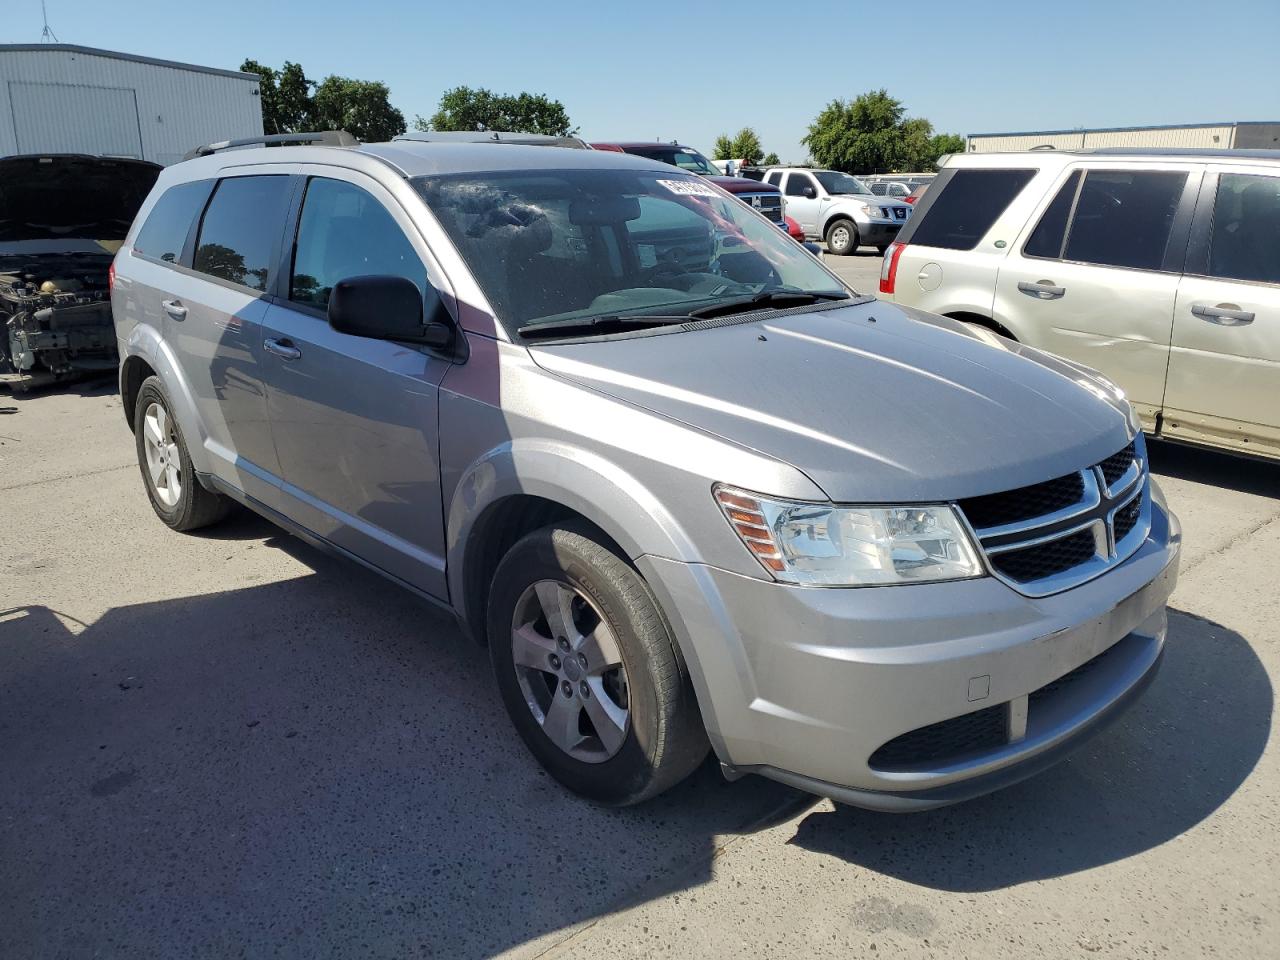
57, 100
1218, 136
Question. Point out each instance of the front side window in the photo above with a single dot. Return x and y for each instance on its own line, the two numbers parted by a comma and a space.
240, 228
164, 233
967, 207
797, 183
559, 245
1123, 218
345, 232
1245, 243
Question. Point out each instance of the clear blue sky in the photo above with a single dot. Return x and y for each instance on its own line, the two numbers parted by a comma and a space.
689, 70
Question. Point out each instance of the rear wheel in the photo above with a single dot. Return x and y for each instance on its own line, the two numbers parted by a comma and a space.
588, 670
842, 237
176, 495
882, 248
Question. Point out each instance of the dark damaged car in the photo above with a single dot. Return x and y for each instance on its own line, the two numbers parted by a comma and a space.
62, 219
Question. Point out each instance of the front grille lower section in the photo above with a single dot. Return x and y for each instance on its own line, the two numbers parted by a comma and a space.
770, 204
1056, 534
985, 731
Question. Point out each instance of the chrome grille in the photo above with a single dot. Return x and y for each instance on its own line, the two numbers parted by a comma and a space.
1051, 536
770, 204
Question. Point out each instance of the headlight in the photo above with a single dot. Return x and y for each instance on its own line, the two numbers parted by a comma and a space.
876, 213
818, 544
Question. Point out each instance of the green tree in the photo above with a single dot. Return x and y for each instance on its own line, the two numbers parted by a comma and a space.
746, 146
723, 149
771, 160
943, 143
285, 96
913, 148
861, 135
361, 107
464, 108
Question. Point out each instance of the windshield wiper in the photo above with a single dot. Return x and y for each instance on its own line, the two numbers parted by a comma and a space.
609, 323
766, 298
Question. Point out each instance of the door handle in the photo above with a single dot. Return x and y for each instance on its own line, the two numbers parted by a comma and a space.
174, 308
1044, 289
1227, 314
282, 348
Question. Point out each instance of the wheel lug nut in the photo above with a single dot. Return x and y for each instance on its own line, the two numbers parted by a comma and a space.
555, 662
567, 687
582, 659
564, 644
584, 689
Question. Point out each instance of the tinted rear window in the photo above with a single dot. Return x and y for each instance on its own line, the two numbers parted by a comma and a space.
967, 206
1123, 218
240, 229
1246, 229
1046, 239
164, 233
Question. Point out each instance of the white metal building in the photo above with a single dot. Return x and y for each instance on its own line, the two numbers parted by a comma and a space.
62, 98
1196, 136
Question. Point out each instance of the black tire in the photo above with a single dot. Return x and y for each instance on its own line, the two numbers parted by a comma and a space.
838, 228
665, 740
196, 506
881, 248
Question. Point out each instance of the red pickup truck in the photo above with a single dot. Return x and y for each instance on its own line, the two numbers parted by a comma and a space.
762, 196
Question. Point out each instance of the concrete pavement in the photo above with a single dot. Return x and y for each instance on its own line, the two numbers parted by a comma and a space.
232, 745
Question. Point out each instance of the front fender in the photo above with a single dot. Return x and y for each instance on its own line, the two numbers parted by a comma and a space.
601, 491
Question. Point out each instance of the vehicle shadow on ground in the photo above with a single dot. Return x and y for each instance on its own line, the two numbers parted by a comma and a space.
315, 767
1215, 468
1178, 755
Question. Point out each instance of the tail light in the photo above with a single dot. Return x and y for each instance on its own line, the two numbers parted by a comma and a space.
111, 276
889, 269
910, 199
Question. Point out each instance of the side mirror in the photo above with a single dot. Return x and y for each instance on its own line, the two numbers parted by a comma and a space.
810, 192
389, 308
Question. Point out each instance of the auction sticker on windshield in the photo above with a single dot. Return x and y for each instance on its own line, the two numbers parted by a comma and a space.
689, 188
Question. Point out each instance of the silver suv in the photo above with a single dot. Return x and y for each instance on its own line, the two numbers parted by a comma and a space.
1160, 268
688, 488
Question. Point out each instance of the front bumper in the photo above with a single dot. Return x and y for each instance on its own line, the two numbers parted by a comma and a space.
879, 233
805, 685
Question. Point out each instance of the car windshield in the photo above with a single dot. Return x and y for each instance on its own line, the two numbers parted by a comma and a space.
551, 246
685, 158
840, 183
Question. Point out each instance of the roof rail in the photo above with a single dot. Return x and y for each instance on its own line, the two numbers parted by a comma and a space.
329, 138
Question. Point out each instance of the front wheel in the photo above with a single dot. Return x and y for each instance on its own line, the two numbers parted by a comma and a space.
588, 670
842, 237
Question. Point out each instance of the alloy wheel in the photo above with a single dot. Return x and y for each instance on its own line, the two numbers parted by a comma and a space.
569, 667
164, 464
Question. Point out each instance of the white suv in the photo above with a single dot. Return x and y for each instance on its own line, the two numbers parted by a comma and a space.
1159, 268
839, 209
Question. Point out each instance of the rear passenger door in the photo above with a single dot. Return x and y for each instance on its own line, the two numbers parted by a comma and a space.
355, 420
1094, 275
213, 318
1224, 368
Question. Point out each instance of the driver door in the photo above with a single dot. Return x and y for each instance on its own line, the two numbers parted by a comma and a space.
803, 200
355, 420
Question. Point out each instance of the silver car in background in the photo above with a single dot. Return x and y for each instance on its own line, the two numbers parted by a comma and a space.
691, 491
1160, 268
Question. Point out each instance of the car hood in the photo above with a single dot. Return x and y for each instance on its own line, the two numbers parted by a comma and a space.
743, 185
876, 403
71, 196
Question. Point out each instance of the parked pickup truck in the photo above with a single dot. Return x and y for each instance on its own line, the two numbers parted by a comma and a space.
839, 209
767, 198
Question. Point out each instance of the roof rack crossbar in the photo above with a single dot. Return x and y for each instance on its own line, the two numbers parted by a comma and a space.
329, 138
